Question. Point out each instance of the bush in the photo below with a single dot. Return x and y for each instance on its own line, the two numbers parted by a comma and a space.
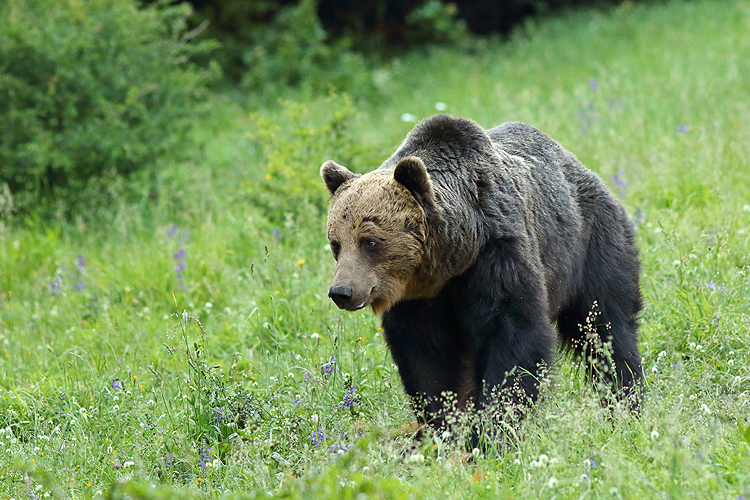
294, 145
90, 90
293, 50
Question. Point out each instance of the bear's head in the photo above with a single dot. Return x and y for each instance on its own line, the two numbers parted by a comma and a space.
377, 228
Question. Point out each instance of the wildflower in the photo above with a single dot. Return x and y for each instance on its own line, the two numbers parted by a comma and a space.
706, 409
639, 217
654, 434
276, 234
711, 285
116, 384
81, 262
416, 458
328, 367
173, 230
56, 286
219, 418
552, 482
116, 464
584, 477
593, 84
339, 449
682, 129
349, 398
301, 262
318, 436
296, 401
205, 460
80, 286
179, 254
620, 182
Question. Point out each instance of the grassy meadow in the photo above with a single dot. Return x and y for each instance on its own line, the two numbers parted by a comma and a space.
180, 343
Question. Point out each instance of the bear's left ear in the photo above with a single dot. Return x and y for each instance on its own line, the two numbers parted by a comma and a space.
335, 175
412, 174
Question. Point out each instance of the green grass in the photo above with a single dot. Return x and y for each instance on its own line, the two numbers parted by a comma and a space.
107, 390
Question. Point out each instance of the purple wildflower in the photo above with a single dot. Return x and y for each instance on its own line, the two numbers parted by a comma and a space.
276, 234
593, 84
682, 129
173, 230
328, 367
116, 464
116, 384
349, 398
620, 182
339, 448
711, 285
81, 262
56, 286
80, 286
639, 217
219, 417
169, 460
180, 256
296, 401
205, 460
318, 436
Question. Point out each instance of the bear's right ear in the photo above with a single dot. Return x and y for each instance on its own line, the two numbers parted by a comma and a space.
412, 174
335, 175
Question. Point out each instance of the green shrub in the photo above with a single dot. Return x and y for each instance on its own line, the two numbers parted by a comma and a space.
294, 145
91, 88
293, 50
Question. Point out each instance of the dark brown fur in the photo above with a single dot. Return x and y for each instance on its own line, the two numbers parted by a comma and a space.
470, 243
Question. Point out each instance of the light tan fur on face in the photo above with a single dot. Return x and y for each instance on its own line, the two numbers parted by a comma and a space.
376, 206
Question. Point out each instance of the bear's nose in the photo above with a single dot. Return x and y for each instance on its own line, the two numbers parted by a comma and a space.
340, 295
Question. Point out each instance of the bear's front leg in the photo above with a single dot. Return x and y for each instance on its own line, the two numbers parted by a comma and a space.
503, 305
434, 357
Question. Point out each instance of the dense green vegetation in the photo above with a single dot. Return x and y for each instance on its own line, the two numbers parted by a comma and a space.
177, 342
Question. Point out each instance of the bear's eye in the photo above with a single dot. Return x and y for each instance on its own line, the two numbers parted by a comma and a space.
369, 243
335, 248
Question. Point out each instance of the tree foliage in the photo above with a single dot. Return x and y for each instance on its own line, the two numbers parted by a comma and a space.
90, 89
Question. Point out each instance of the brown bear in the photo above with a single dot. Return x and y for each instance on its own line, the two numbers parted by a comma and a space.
470, 243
